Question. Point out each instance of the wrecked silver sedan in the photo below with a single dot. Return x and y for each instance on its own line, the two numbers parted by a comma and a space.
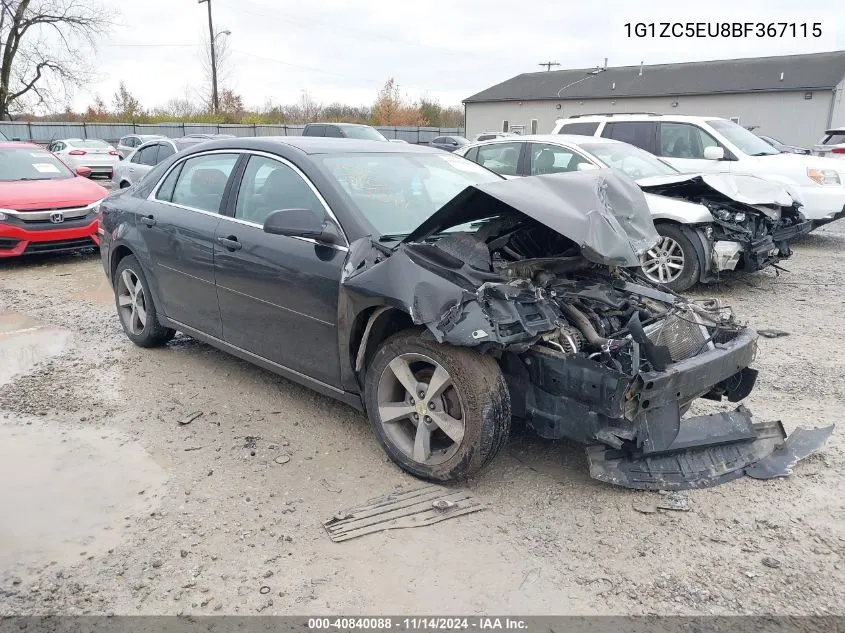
510, 299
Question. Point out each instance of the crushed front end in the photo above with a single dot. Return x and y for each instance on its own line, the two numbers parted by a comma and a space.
589, 351
753, 220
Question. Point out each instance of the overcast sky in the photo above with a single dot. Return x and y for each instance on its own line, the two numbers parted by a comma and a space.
342, 50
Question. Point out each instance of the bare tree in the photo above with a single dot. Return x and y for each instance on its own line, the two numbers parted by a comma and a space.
44, 46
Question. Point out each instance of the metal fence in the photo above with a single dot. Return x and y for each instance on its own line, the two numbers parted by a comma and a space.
41, 132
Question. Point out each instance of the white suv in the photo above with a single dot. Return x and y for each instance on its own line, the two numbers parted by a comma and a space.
695, 144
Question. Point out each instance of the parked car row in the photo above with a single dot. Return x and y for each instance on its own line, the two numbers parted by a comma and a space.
695, 144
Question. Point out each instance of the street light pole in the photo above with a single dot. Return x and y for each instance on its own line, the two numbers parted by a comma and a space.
214, 97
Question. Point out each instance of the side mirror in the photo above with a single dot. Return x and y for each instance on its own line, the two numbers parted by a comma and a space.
301, 223
586, 167
714, 153
85, 172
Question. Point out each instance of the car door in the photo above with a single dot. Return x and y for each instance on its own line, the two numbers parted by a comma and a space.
548, 158
682, 146
178, 224
278, 295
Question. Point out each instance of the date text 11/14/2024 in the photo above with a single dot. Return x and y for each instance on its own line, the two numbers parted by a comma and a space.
423, 623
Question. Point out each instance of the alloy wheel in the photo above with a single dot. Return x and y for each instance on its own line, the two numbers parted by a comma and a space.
419, 409
131, 301
664, 262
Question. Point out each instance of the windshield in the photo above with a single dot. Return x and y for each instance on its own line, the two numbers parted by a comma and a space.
30, 163
745, 141
397, 192
635, 162
3, 137
363, 132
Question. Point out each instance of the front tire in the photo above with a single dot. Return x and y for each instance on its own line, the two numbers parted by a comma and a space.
440, 412
135, 306
673, 262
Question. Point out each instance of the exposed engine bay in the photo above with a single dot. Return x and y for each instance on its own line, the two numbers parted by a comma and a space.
589, 351
753, 220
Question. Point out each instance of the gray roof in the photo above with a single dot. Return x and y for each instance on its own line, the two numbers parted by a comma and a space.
816, 71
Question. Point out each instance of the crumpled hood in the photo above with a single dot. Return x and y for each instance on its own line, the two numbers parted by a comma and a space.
603, 211
749, 190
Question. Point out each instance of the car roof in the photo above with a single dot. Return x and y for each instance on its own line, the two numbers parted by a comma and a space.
319, 145
634, 116
572, 139
341, 124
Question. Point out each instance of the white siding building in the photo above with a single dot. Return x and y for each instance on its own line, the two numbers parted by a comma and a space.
793, 98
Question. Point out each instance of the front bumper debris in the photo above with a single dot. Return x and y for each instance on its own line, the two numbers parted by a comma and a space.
713, 449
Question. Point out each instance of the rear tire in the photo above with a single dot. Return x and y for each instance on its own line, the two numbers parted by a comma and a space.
459, 397
135, 306
673, 262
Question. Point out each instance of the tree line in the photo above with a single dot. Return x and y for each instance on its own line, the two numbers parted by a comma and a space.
389, 108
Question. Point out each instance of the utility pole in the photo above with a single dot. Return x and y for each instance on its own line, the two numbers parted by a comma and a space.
215, 101
549, 65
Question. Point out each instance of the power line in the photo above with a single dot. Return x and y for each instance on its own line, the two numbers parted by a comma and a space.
345, 28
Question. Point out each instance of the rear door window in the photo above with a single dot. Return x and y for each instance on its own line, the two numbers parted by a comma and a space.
553, 159
583, 128
202, 181
316, 130
834, 139
503, 158
639, 133
164, 151
148, 155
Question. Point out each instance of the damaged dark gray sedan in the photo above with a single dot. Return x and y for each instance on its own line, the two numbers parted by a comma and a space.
445, 302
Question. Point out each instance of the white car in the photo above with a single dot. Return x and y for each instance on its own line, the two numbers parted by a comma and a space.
710, 223
96, 155
695, 144
832, 145
129, 143
130, 171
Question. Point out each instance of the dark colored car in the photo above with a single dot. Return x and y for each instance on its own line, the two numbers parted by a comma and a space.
443, 300
343, 130
783, 147
449, 143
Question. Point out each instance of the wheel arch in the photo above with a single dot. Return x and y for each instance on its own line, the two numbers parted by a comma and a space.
370, 328
700, 242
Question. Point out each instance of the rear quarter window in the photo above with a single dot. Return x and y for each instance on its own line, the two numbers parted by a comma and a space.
834, 139
583, 128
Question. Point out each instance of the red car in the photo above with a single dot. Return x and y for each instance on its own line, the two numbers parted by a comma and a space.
45, 207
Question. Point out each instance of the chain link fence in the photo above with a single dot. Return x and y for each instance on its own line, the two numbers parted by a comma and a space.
44, 132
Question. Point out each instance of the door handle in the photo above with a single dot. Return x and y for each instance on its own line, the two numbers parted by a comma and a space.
148, 220
131, 170
231, 243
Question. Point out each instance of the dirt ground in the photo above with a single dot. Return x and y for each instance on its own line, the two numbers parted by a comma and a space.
110, 505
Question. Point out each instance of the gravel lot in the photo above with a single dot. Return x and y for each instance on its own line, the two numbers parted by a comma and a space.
110, 505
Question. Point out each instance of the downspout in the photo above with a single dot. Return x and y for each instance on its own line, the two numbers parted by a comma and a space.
831, 108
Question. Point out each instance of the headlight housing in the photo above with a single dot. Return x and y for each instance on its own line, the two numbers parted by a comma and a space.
729, 216
3, 214
823, 176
